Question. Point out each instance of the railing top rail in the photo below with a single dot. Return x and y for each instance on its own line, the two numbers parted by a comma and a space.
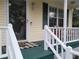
14, 42
60, 42
3, 56
47, 28
75, 52
63, 27
57, 27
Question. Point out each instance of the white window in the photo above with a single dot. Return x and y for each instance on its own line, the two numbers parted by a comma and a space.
57, 19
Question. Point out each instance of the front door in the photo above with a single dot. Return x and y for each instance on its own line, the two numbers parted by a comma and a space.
17, 16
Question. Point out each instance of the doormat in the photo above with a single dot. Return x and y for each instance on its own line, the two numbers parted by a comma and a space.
24, 45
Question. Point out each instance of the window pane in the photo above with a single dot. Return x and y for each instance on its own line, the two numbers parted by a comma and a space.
53, 9
60, 22
52, 22
61, 13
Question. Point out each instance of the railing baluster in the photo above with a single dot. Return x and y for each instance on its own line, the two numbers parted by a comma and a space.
56, 35
0, 44
72, 34
59, 33
78, 33
62, 52
53, 39
67, 34
75, 34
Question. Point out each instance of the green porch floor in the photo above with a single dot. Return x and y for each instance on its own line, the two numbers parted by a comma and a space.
73, 44
39, 53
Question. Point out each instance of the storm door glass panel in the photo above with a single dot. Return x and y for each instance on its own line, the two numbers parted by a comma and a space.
17, 16
52, 22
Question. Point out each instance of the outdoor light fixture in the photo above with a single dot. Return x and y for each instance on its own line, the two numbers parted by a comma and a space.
10, 4
33, 5
51, 14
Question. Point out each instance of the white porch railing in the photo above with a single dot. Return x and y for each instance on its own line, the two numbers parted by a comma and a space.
60, 50
72, 34
13, 50
3, 30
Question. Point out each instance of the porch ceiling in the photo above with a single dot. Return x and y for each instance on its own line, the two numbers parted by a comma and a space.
71, 3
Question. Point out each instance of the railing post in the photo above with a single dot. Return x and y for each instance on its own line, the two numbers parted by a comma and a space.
68, 53
8, 43
10, 25
45, 38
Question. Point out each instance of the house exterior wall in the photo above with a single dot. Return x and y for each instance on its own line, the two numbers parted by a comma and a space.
3, 19
3, 12
36, 18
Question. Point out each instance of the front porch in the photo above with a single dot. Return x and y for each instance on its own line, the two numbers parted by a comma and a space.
39, 53
60, 39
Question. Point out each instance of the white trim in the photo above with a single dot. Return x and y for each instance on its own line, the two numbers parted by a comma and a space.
70, 17
57, 17
48, 15
6, 11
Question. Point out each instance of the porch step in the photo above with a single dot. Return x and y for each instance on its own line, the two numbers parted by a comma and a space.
37, 52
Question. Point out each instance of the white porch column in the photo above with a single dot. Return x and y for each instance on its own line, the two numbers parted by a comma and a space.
65, 18
70, 18
27, 20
